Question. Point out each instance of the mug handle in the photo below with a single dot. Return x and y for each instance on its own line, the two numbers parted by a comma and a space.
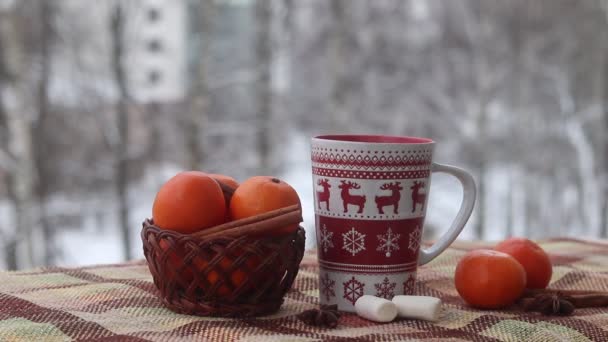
466, 208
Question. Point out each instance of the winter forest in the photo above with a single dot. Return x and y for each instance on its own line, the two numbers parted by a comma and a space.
101, 102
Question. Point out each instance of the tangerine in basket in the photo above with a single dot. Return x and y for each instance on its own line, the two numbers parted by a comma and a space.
189, 202
226, 180
532, 257
489, 279
236, 277
261, 194
175, 262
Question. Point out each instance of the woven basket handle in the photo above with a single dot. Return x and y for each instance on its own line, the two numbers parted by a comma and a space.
466, 208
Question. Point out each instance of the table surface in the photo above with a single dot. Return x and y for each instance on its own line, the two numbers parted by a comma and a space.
119, 302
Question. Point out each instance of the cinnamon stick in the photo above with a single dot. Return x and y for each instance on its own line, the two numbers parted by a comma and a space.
589, 300
257, 227
531, 293
248, 221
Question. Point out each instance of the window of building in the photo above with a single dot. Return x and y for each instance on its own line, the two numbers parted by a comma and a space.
153, 14
154, 45
154, 77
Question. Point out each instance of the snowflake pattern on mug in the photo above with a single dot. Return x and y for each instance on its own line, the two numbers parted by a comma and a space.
353, 290
353, 241
414, 242
388, 242
325, 239
385, 289
327, 287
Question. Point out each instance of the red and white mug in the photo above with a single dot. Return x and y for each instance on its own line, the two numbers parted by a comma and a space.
371, 193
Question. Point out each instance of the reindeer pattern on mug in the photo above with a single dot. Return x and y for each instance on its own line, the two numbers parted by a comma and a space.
404, 198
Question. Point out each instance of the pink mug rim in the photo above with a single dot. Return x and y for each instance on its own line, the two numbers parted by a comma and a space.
374, 139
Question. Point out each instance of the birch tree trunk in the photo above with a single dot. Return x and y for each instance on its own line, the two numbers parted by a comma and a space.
21, 193
604, 148
482, 166
196, 124
510, 229
19, 248
517, 35
118, 37
263, 84
154, 111
45, 13
281, 74
8, 162
9, 241
338, 62
475, 31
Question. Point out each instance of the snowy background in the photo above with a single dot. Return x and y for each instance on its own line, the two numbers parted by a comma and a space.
100, 103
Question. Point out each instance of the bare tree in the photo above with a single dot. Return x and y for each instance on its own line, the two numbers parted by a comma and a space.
283, 45
18, 143
515, 22
604, 148
604, 206
46, 11
341, 43
118, 38
199, 96
155, 111
263, 85
7, 160
480, 87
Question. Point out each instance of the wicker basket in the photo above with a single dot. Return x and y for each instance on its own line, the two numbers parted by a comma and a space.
226, 276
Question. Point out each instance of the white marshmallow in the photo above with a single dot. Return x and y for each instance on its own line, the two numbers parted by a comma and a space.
418, 307
376, 309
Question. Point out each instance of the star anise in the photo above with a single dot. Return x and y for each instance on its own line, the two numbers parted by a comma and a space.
325, 316
550, 304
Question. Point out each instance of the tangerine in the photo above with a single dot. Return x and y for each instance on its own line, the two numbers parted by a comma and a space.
226, 180
261, 194
228, 185
489, 279
175, 263
189, 202
532, 257
237, 276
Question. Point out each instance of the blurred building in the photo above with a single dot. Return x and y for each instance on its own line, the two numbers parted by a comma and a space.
155, 38
158, 65
162, 40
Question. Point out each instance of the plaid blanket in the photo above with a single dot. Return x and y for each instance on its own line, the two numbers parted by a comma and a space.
119, 302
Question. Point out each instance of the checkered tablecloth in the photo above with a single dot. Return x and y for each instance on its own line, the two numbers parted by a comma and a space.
119, 302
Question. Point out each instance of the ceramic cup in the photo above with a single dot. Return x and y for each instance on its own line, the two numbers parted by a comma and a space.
370, 202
